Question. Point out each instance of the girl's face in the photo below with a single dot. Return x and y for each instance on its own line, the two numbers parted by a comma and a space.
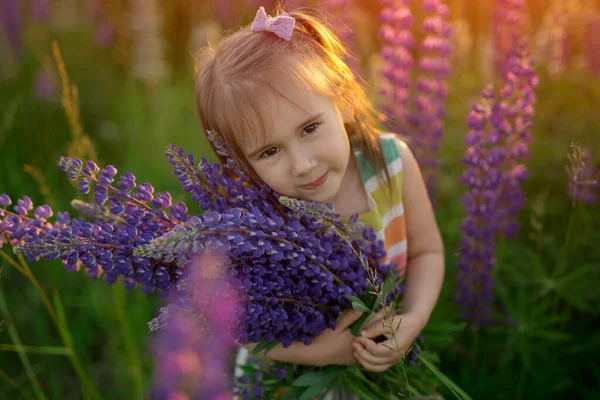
306, 153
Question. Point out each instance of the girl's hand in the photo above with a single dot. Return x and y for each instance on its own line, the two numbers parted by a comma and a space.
378, 357
335, 346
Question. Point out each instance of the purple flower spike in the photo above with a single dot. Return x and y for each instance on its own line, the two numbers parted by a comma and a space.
484, 167
194, 336
508, 24
423, 127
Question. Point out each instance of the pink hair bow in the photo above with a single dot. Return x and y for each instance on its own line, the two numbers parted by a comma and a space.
282, 26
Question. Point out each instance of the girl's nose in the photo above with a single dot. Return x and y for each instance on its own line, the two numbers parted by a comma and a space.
302, 163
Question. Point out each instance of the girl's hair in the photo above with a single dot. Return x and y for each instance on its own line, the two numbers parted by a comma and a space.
234, 79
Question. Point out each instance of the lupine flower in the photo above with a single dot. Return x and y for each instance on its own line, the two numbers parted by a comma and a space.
508, 25
583, 175
497, 143
190, 351
288, 264
105, 34
592, 45
10, 18
44, 85
396, 21
517, 105
423, 125
250, 386
432, 90
484, 157
41, 10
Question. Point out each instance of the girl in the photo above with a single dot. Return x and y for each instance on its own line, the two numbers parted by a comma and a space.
284, 100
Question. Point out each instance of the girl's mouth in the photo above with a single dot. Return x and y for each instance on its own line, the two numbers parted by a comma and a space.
316, 183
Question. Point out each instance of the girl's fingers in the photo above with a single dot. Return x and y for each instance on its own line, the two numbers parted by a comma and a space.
371, 367
385, 349
372, 359
349, 318
377, 328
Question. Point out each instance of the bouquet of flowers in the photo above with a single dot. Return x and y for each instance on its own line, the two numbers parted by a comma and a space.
295, 266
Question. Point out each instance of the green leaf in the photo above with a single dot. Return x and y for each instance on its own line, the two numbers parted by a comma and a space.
22, 354
314, 378
312, 391
49, 350
391, 282
263, 345
293, 394
354, 299
356, 327
453, 387
360, 307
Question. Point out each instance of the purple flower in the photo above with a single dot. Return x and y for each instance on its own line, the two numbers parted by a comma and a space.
105, 34
593, 43
508, 24
396, 21
513, 125
197, 332
423, 126
10, 18
484, 160
497, 144
5, 200
279, 249
41, 10
44, 86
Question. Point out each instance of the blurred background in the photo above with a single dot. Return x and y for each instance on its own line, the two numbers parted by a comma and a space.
113, 81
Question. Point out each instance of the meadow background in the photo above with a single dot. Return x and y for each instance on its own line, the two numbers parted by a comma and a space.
113, 80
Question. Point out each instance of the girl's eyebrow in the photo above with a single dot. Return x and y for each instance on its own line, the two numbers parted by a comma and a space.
309, 119
300, 126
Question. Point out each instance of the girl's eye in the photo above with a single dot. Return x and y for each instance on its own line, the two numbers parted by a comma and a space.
311, 128
270, 152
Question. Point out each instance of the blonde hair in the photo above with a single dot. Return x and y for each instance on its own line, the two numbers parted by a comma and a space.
233, 79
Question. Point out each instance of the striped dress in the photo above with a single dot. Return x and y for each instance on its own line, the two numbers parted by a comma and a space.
386, 215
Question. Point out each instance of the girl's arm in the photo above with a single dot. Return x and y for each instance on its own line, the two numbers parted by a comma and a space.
425, 258
330, 347
424, 276
297, 353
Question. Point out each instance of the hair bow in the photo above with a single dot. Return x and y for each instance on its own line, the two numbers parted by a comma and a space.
282, 26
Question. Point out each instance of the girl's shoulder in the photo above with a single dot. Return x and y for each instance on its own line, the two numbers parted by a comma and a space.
394, 147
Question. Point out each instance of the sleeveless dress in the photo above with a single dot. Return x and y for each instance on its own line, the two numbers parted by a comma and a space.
385, 216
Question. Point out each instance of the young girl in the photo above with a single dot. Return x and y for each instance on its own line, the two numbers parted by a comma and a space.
284, 100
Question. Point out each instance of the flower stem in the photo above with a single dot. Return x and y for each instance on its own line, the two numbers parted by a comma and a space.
562, 257
22, 354
88, 390
24, 392
130, 348
24, 269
